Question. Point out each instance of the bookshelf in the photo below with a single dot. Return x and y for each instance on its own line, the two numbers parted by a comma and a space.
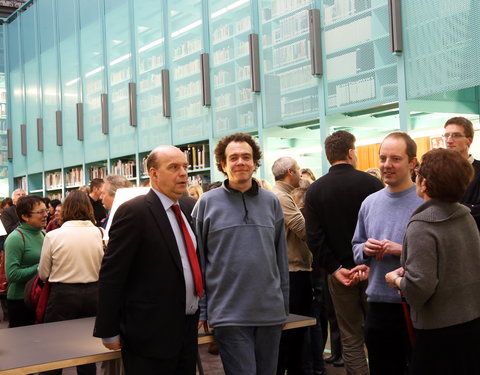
360, 70
54, 184
20, 183
35, 184
74, 177
126, 167
291, 92
190, 120
233, 103
198, 157
96, 170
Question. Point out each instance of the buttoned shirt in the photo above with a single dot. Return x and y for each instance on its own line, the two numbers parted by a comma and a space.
191, 299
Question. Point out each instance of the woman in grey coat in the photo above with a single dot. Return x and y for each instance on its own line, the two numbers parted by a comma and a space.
440, 273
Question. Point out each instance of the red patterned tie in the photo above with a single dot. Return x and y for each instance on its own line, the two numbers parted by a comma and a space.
192, 255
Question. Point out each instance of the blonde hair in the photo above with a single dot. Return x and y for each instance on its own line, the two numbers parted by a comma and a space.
195, 188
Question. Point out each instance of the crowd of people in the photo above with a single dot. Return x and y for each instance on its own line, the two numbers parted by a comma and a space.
388, 259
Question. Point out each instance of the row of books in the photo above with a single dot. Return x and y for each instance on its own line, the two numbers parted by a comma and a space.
197, 156
227, 31
126, 168
74, 177
53, 180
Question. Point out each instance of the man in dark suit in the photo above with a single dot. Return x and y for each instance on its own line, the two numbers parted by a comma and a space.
150, 279
9, 216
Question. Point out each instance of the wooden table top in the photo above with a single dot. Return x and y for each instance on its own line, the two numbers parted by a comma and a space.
42, 347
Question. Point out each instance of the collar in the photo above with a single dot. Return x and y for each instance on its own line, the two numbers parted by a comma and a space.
470, 159
252, 191
166, 201
78, 223
284, 187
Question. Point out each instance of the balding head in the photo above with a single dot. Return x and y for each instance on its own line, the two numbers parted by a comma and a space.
167, 168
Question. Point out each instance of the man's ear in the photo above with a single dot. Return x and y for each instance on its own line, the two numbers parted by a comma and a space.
470, 140
351, 154
412, 163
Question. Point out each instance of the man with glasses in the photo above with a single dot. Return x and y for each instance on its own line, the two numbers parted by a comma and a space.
459, 136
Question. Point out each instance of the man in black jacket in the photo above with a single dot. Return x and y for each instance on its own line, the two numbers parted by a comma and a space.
9, 216
331, 210
459, 136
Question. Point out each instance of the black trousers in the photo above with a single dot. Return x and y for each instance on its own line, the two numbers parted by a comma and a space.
184, 363
19, 314
292, 341
72, 301
451, 350
387, 340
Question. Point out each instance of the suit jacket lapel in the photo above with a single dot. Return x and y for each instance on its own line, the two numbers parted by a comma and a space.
163, 224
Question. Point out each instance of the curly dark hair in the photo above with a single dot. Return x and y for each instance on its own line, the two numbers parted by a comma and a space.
25, 205
446, 173
220, 156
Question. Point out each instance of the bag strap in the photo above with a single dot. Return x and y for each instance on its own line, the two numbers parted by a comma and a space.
103, 241
23, 236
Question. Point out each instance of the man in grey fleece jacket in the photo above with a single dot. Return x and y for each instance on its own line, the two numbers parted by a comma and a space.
243, 252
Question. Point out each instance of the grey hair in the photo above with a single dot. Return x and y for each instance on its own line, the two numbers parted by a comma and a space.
281, 166
116, 182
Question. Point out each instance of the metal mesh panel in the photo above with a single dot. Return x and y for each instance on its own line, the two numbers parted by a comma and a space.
360, 70
442, 45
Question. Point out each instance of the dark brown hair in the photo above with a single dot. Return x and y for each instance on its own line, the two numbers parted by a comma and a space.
220, 156
447, 174
338, 144
411, 145
77, 206
25, 205
464, 122
96, 183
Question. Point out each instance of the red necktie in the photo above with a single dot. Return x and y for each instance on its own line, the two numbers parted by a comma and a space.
192, 255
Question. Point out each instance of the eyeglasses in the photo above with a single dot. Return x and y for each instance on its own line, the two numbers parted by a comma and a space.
41, 212
453, 135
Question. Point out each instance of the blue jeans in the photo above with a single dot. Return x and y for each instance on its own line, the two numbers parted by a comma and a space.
249, 350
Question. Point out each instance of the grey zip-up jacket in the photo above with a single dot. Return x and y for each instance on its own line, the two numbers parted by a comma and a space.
243, 253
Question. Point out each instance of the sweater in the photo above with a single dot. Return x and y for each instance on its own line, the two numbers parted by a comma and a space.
72, 254
331, 210
299, 255
383, 215
243, 254
441, 258
21, 258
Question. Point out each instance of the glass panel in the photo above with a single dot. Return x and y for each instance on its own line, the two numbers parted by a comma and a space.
92, 68
153, 127
70, 79
30, 56
3, 120
49, 73
233, 101
442, 46
360, 70
290, 91
117, 29
190, 120
16, 96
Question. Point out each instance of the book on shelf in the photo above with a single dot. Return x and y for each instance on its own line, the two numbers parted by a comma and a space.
125, 168
97, 172
196, 155
53, 180
74, 177
21, 183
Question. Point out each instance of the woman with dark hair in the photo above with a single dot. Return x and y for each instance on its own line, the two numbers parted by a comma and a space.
440, 278
22, 253
70, 260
